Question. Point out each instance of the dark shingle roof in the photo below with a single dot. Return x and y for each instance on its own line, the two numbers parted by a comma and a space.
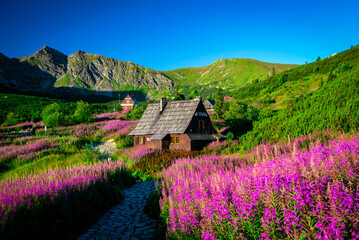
209, 103
205, 137
175, 118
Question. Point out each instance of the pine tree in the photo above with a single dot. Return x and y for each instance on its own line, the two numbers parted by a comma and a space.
318, 59
219, 105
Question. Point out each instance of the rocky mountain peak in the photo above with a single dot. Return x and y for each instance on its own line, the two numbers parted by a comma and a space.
80, 52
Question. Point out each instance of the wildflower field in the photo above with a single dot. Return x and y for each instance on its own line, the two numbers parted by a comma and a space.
52, 184
304, 189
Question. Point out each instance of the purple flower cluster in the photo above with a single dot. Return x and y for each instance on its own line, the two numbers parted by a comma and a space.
27, 151
55, 183
26, 124
117, 125
139, 152
111, 115
291, 194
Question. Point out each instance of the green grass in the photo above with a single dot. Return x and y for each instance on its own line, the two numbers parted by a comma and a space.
226, 73
312, 97
63, 82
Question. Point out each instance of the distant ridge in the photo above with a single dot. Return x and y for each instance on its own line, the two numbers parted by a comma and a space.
50, 71
228, 74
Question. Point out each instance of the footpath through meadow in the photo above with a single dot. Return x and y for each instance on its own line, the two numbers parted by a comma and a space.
127, 220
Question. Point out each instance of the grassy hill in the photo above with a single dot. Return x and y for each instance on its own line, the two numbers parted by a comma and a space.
323, 94
226, 73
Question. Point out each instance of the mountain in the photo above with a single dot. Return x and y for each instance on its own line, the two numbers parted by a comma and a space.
95, 72
226, 73
52, 72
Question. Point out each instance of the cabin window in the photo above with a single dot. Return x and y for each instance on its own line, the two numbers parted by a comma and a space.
141, 140
128, 101
174, 140
201, 124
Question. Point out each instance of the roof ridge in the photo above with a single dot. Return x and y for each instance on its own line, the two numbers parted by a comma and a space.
175, 118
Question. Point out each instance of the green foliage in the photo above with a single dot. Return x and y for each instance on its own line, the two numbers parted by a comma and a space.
25, 108
136, 112
328, 98
344, 67
53, 115
152, 206
118, 108
83, 113
123, 141
12, 119
219, 105
267, 100
230, 136
152, 164
240, 117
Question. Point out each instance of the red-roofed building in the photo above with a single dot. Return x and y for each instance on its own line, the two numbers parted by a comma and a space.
127, 103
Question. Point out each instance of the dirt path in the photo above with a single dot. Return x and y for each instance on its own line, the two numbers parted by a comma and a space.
126, 220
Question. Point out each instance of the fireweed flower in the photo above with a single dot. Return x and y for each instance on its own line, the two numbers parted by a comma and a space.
288, 190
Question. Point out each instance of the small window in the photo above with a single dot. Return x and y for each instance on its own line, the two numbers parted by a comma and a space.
175, 140
201, 124
141, 140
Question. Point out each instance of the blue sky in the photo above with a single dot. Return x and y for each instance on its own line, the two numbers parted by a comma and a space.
168, 34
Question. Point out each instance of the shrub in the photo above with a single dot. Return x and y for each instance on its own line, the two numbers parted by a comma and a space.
83, 113
53, 115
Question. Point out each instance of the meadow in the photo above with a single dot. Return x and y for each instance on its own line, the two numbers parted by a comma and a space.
297, 188
54, 180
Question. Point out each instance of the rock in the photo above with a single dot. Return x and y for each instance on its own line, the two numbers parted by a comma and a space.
50, 69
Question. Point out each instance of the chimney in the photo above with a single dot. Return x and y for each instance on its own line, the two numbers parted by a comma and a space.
198, 97
162, 104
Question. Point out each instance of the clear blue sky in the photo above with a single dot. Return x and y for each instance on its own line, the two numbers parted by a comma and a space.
168, 34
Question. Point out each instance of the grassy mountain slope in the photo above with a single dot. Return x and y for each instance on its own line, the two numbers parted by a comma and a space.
315, 96
227, 73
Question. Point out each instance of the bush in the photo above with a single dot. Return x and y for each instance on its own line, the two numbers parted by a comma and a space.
83, 113
152, 164
11, 119
53, 115
135, 113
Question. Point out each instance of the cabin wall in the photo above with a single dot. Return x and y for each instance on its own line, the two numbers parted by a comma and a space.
146, 143
193, 127
184, 143
153, 144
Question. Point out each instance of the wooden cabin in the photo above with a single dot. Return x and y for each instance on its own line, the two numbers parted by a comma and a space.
127, 103
178, 125
209, 104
